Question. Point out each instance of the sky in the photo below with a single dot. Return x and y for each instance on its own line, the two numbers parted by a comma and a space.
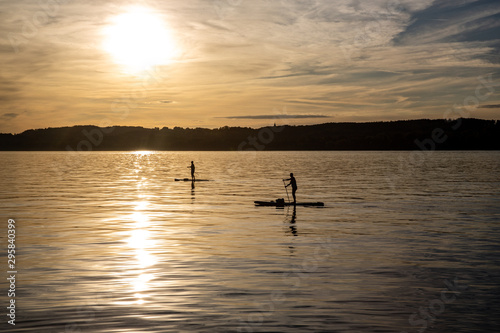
214, 63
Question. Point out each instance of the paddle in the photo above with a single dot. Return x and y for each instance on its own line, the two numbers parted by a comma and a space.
286, 191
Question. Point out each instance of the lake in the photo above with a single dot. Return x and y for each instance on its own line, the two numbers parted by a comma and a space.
109, 242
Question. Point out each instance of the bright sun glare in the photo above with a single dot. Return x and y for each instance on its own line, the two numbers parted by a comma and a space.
139, 40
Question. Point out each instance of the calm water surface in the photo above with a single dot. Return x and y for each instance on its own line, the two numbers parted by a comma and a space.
109, 242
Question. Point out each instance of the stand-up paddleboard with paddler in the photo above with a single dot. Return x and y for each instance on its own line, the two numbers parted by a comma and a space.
189, 180
283, 203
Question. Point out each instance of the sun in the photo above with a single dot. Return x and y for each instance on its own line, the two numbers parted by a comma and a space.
139, 40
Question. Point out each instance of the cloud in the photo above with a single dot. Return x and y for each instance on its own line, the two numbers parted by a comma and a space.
450, 21
277, 116
491, 106
10, 115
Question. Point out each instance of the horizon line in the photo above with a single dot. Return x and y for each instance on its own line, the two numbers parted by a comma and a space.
277, 125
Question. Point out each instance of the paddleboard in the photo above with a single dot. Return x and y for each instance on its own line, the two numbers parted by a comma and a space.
282, 204
189, 179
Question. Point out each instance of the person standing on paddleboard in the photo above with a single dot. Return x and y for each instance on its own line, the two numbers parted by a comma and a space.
293, 182
192, 171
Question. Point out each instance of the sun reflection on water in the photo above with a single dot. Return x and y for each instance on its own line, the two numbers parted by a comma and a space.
143, 152
140, 241
141, 220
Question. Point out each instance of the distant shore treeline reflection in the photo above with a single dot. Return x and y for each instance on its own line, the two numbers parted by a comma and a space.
459, 134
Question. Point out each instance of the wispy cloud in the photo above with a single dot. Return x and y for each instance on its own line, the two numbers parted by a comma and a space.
453, 21
278, 116
491, 106
10, 115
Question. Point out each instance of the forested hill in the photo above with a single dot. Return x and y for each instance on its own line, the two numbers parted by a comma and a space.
460, 134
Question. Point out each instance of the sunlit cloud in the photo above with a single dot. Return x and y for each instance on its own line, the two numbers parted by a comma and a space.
274, 116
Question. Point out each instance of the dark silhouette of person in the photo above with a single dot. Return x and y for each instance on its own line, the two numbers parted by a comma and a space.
192, 171
293, 182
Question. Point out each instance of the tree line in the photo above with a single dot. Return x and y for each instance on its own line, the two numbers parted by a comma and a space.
423, 134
